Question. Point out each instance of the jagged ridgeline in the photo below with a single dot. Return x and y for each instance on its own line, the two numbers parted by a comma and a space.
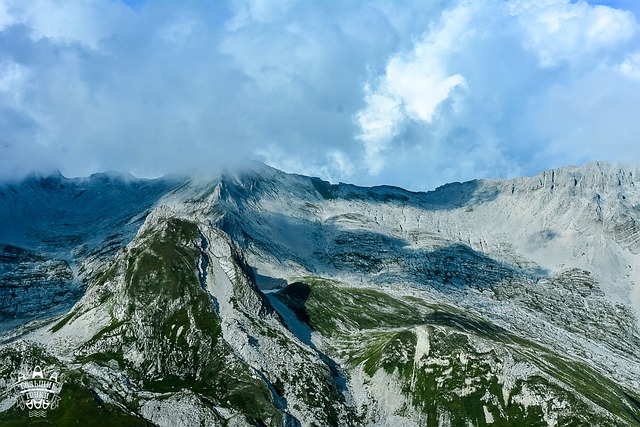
263, 298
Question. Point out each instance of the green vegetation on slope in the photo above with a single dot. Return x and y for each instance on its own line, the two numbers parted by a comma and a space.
170, 319
332, 309
449, 361
78, 404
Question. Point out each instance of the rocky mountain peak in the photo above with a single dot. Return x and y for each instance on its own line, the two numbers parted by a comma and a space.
266, 298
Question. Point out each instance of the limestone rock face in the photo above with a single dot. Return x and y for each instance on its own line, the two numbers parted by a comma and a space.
264, 298
33, 283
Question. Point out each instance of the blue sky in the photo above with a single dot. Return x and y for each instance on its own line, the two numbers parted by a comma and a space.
409, 93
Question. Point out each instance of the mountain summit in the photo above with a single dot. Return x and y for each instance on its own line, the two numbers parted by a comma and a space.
267, 298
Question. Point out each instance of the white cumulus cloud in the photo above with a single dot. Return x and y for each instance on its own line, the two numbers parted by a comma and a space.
561, 30
415, 83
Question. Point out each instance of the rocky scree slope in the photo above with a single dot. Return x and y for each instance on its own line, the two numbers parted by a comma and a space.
269, 298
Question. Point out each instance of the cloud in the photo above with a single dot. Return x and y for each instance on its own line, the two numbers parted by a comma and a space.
366, 92
5, 18
66, 22
412, 88
504, 88
148, 97
334, 165
630, 67
588, 118
559, 30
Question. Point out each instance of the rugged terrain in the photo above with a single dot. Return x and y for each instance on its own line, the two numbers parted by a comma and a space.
265, 298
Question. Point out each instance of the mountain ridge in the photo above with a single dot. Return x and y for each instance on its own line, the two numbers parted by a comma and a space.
490, 302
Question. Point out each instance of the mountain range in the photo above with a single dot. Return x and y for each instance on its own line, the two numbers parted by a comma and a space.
261, 298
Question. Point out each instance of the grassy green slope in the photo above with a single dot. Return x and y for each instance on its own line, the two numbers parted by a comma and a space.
165, 315
163, 288
449, 361
78, 404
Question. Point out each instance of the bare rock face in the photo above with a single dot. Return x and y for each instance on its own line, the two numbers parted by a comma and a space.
33, 284
263, 298
56, 232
